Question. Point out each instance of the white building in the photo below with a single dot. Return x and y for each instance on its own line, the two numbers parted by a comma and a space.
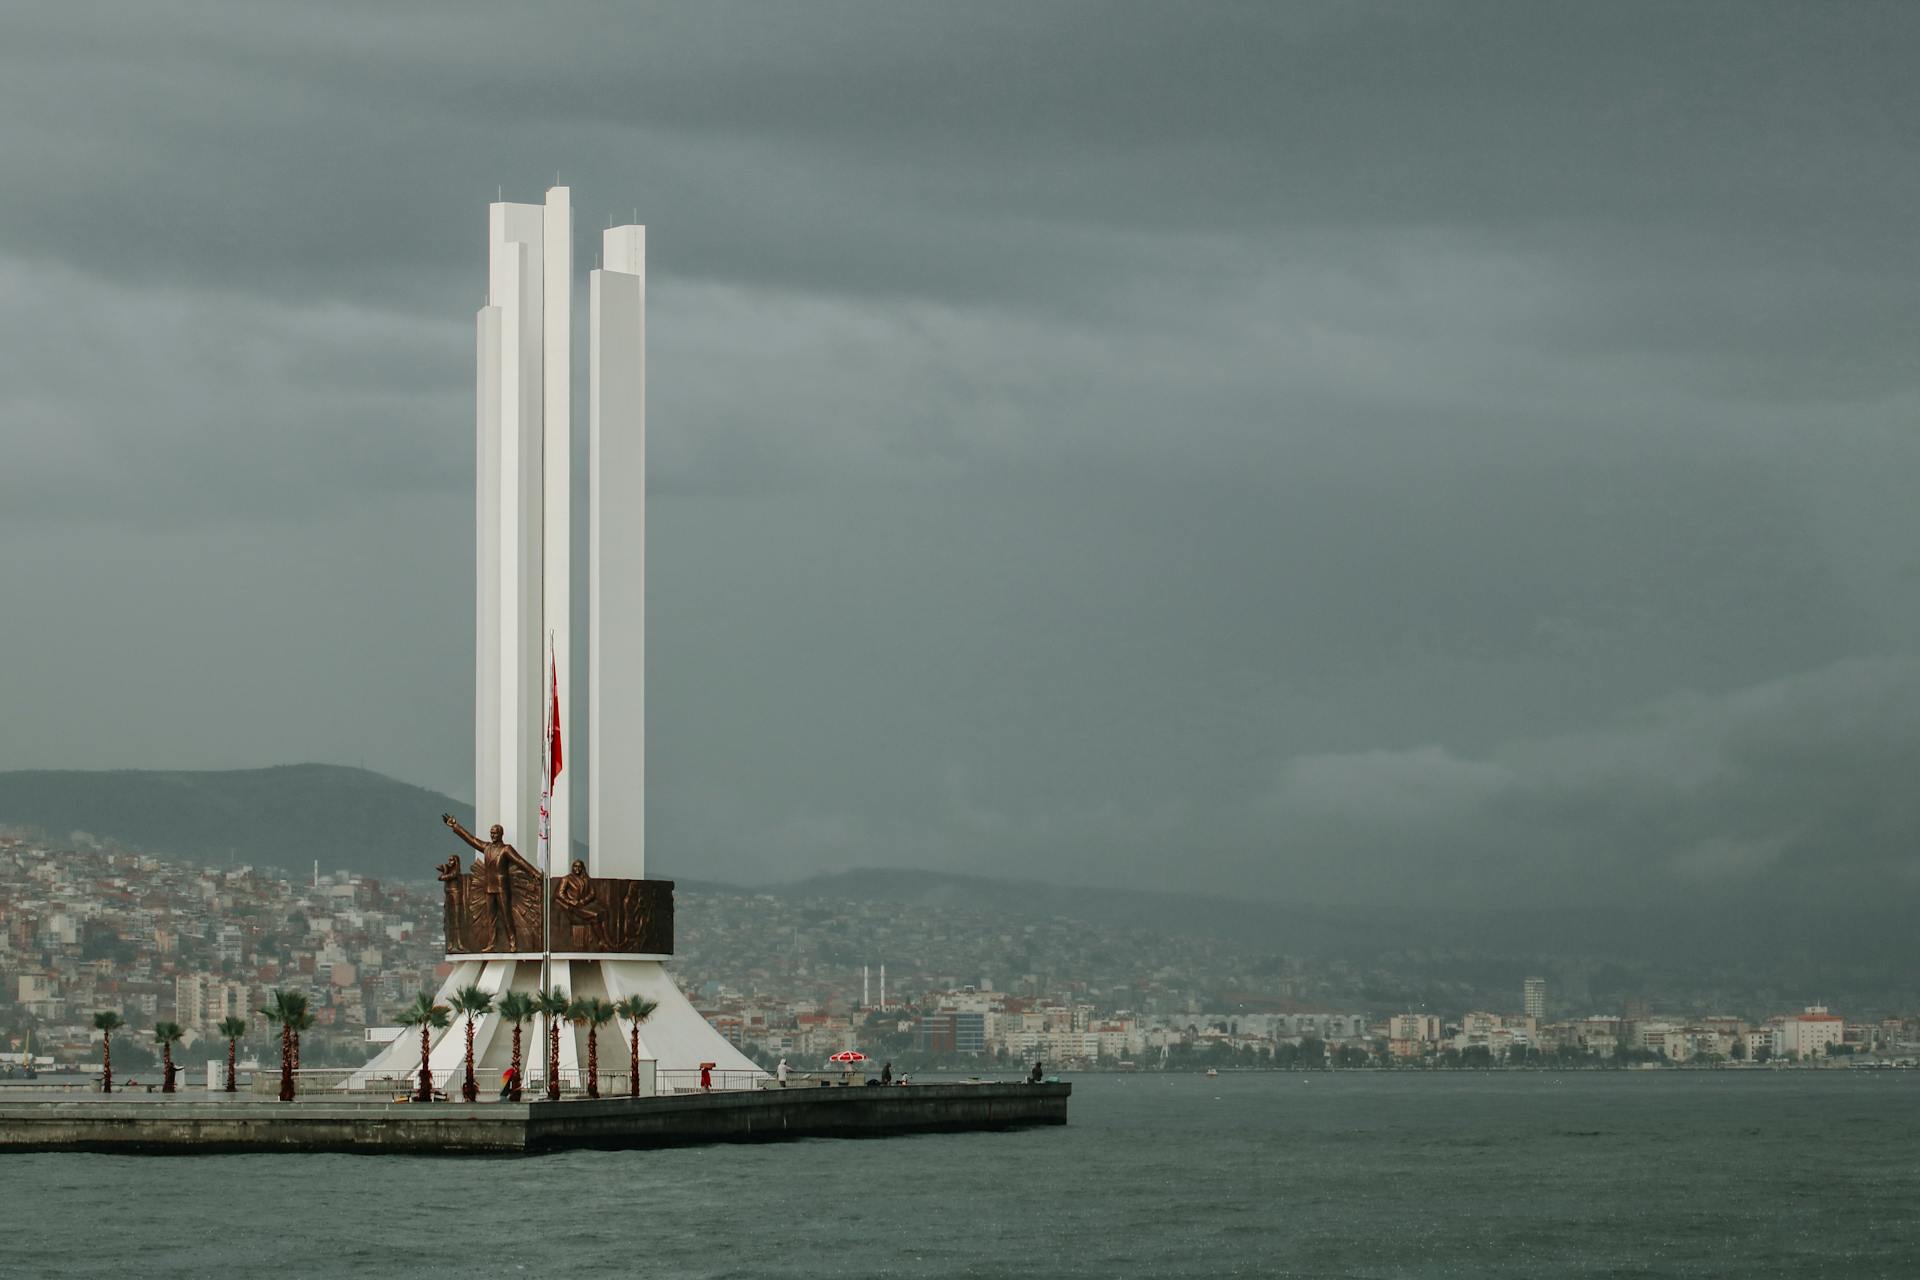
1807, 1034
190, 1001
1422, 1028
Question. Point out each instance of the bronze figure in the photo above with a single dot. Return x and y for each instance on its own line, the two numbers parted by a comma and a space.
500, 888
579, 914
456, 904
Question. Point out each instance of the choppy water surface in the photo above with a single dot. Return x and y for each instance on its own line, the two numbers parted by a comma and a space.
1357, 1174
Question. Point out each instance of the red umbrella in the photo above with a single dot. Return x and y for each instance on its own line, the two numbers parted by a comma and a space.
848, 1055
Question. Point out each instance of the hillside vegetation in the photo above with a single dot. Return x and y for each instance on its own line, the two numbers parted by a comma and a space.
286, 816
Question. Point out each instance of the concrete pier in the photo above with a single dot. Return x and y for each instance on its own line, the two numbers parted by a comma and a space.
186, 1125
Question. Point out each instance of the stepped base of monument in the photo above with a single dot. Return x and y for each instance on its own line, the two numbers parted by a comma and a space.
186, 1125
677, 1038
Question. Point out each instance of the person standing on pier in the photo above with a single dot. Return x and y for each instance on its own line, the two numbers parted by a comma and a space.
781, 1071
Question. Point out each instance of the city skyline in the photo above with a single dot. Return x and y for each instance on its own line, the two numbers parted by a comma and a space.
98, 926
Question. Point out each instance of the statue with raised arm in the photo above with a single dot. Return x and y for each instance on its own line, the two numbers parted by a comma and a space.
496, 865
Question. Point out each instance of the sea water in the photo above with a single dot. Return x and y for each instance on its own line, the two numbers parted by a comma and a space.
1636, 1173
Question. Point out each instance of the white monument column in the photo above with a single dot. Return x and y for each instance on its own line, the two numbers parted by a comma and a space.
617, 556
676, 1036
486, 587
516, 258
557, 504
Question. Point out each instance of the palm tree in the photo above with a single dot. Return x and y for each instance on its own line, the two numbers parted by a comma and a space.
107, 1021
288, 1012
592, 1013
164, 1034
428, 1016
636, 1010
516, 1007
553, 1002
474, 1002
303, 1020
232, 1028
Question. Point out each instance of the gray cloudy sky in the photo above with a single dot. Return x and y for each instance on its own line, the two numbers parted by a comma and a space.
1357, 452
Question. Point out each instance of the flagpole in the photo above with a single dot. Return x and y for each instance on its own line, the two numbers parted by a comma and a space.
546, 835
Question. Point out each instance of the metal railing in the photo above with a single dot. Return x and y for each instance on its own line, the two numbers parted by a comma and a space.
446, 1083
313, 1081
573, 1082
688, 1081
613, 1083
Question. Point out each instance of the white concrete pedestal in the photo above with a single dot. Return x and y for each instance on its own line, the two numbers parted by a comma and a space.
676, 1038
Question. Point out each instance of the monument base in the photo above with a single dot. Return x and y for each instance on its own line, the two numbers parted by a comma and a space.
676, 1038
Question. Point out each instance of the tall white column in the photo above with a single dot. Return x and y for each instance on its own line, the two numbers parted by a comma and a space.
486, 586
557, 447
616, 556
516, 257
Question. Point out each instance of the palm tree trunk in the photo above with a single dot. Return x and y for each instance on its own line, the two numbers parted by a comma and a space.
469, 1090
286, 1063
553, 1058
166, 1068
296, 1051
230, 1053
593, 1061
514, 1095
106, 1062
426, 1072
633, 1061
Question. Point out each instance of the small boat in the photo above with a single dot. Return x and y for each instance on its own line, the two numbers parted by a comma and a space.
1212, 1072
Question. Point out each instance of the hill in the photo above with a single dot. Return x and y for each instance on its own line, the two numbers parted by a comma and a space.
1862, 948
1303, 927
290, 815
286, 816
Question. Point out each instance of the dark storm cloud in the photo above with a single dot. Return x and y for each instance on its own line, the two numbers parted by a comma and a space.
1789, 789
1297, 449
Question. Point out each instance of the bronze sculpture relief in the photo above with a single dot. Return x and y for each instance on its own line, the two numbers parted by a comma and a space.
502, 894
496, 908
577, 911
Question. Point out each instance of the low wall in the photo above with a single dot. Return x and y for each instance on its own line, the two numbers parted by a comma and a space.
770, 1115
176, 1125
170, 1125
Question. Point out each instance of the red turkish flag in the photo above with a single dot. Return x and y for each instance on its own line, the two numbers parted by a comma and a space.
553, 724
